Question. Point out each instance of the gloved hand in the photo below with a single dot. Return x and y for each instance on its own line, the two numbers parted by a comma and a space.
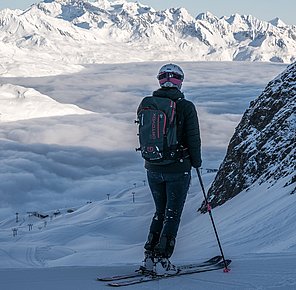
196, 164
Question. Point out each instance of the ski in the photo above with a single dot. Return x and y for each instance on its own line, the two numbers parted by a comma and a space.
181, 272
140, 273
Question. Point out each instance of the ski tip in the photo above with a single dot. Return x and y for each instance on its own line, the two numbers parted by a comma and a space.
215, 259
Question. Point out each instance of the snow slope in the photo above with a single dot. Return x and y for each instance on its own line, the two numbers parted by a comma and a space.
106, 237
19, 103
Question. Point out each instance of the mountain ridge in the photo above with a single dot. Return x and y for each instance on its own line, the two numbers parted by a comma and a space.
82, 32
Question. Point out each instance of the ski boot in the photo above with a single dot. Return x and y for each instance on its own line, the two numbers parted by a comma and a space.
163, 267
148, 265
149, 261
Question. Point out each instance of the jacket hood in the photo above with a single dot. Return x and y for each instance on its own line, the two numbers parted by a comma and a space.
171, 93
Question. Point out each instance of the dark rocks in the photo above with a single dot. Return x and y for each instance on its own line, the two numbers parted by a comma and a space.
262, 148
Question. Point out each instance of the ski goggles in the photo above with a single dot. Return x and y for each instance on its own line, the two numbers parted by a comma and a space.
172, 77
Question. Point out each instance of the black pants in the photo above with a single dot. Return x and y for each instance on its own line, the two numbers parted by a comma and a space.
169, 191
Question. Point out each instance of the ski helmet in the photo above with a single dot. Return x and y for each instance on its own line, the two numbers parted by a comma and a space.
170, 75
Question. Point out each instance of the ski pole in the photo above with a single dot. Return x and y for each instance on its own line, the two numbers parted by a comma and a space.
226, 269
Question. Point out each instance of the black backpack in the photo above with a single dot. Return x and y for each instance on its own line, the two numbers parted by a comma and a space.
158, 130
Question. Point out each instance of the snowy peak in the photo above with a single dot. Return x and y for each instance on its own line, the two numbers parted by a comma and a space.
262, 149
277, 22
71, 9
205, 16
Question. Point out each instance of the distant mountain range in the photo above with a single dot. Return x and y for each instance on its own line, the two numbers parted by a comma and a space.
79, 31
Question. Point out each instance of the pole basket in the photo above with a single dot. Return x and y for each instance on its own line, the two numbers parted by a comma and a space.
209, 208
226, 270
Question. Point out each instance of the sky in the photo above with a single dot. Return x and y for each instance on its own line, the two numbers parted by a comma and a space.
263, 9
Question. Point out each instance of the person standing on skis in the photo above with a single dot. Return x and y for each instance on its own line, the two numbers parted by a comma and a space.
169, 182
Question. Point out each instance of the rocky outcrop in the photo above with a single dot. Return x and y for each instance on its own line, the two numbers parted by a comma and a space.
262, 148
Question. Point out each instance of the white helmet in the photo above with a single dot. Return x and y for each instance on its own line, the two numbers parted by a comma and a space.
170, 75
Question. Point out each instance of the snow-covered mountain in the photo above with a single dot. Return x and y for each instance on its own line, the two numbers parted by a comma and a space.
19, 103
79, 31
262, 149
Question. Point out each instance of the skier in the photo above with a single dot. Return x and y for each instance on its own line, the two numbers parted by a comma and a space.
169, 182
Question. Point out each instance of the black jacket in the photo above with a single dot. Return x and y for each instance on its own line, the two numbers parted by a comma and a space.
188, 133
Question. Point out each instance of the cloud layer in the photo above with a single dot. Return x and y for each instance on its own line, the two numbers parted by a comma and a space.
62, 161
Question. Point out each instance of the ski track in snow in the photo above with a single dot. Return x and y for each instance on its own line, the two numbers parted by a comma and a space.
31, 257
